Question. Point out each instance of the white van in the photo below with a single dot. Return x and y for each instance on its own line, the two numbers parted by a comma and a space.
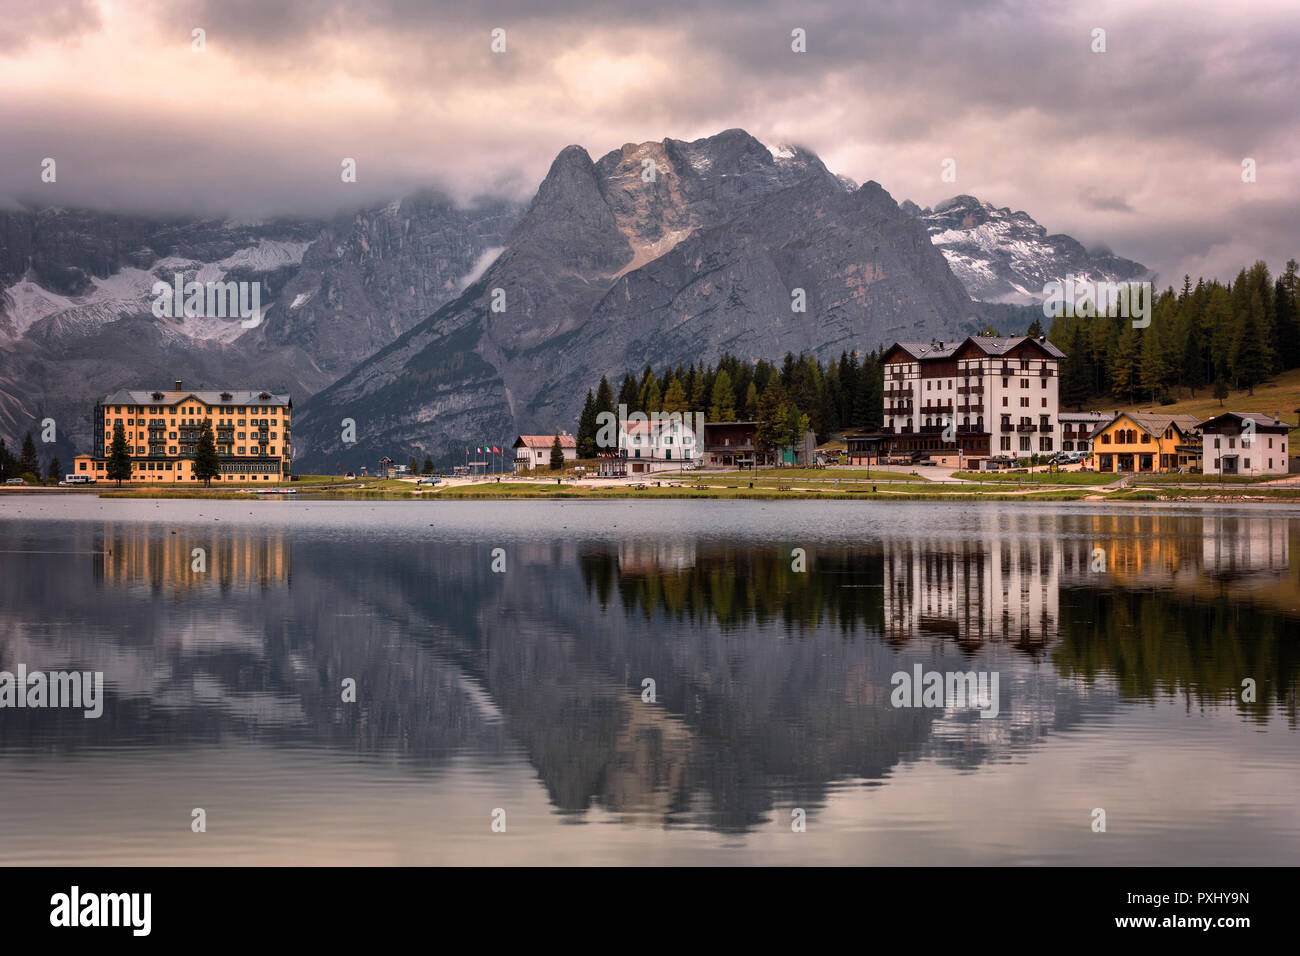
76, 479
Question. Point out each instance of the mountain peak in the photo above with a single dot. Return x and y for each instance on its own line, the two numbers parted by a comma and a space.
1005, 256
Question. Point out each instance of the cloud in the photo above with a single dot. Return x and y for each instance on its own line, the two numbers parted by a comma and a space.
1139, 146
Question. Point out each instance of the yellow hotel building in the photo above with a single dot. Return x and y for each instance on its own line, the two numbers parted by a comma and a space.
251, 429
1147, 442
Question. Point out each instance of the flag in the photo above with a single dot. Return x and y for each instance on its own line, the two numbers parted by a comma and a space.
496, 451
478, 451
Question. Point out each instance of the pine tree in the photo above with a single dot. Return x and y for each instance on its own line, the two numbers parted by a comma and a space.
1220, 390
628, 394
1249, 352
587, 426
651, 399
1126, 364
28, 463
1035, 329
119, 459
675, 398
1288, 317
557, 454
772, 414
698, 395
721, 406
428, 465
1076, 379
206, 463
55, 472
751, 402
412, 468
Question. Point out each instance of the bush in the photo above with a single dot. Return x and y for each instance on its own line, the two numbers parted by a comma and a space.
1166, 399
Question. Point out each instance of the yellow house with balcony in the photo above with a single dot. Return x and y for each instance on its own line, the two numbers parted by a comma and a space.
251, 428
1147, 442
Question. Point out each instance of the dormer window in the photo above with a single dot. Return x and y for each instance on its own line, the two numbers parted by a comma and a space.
157, 396
225, 396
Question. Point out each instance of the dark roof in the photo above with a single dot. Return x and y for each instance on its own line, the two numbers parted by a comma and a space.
1261, 421
213, 396
989, 344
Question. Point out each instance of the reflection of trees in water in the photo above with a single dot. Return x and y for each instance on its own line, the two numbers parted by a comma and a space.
762, 701
1161, 643
735, 585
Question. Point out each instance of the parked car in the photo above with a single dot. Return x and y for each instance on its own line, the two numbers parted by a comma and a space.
429, 480
15, 481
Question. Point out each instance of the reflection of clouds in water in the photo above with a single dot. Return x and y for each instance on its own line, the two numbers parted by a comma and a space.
772, 685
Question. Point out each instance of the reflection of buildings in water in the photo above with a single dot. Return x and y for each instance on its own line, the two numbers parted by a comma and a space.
1000, 587
1178, 550
142, 555
972, 590
646, 557
1232, 545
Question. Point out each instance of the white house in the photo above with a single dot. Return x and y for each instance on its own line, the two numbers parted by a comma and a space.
975, 398
1244, 443
1077, 429
534, 451
657, 445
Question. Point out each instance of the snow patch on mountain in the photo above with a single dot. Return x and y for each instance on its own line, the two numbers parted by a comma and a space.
129, 292
1006, 257
485, 259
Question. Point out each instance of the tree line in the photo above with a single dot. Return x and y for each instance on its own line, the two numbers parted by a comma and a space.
1210, 335
785, 401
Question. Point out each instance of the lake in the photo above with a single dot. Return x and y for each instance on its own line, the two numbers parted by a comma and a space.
650, 682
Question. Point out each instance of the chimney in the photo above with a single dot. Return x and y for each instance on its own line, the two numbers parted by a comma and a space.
178, 385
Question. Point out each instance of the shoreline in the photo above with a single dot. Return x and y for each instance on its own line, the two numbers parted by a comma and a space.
1054, 494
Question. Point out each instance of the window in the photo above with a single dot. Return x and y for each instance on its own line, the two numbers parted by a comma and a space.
1044, 402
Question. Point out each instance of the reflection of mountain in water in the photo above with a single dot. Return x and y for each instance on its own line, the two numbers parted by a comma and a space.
772, 684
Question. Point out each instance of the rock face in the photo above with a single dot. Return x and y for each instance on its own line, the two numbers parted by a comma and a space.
1004, 256
611, 268
76, 299
659, 252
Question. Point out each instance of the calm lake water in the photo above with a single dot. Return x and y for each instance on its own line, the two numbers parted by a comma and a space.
476, 691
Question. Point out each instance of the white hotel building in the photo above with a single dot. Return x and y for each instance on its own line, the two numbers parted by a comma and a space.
1000, 395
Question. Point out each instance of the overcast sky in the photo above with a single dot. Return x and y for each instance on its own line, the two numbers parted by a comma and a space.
1139, 148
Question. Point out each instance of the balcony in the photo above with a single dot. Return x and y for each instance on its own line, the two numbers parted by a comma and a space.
1027, 428
971, 409
970, 390
1008, 427
932, 429
971, 430
898, 393
1046, 373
